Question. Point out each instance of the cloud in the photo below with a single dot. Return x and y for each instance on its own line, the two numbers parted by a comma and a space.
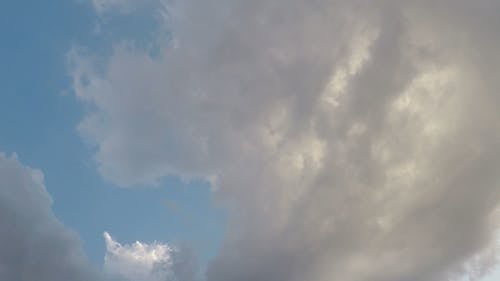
147, 262
34, 244
350, 140
124, 6
103, 7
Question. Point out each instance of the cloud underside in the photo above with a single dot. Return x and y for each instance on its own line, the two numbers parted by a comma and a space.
34, 245
350, 140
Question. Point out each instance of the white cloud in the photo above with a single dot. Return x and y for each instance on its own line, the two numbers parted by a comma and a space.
138, 261
149, 262
34, 245
348, 137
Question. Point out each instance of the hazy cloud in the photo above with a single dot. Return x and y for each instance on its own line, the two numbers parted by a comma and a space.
122, 6
109, 7
351, 140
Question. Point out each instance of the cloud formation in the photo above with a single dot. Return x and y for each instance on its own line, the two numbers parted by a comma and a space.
148, 262
139, 261
34, 245
350, 140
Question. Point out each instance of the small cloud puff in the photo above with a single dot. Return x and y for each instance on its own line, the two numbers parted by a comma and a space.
140, 261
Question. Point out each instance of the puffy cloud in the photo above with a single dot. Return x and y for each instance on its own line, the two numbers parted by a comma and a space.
34, 245
139, 261
147, 262
351, 140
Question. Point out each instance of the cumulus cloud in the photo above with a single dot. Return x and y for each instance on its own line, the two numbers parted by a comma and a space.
147, 262
350, 140
34, 245
139, 261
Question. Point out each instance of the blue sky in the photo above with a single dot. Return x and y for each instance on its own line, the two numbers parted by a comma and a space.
270, 140
39, 116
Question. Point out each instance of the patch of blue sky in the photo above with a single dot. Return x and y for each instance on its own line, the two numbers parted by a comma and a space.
38, 119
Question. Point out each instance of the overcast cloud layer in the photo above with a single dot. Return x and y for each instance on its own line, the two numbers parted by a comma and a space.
34, 245
350, 140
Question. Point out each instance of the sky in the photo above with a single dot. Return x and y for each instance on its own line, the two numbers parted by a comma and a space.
223, 140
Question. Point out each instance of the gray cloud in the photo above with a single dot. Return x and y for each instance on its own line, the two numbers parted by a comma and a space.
34, 245
350, 140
